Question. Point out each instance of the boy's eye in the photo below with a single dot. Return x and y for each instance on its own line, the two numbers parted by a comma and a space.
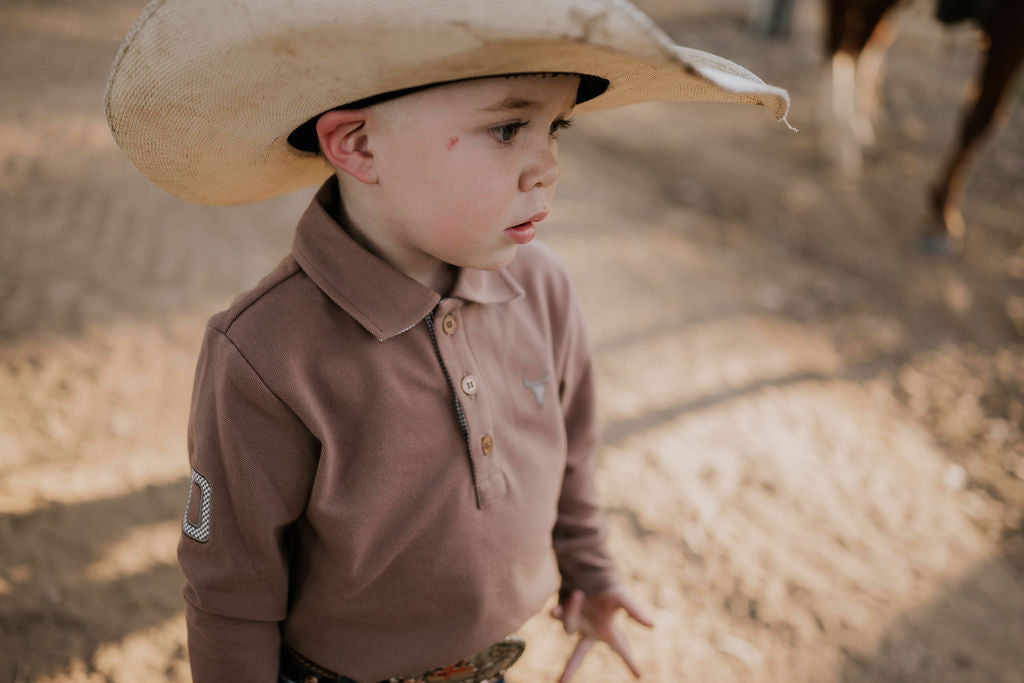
559, 124
504, 133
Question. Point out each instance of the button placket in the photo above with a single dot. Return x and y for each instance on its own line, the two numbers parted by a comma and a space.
473, 394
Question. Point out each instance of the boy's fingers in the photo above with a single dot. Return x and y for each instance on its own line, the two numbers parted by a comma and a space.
572, 610
617, 642
636, 612
582, 646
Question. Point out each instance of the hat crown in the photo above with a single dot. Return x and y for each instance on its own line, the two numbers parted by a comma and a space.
400, 35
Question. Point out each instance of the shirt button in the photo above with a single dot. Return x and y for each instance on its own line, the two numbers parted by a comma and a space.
469, 385
448, 325
487, 444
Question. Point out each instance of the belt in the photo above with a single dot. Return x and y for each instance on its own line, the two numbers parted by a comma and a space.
486, 665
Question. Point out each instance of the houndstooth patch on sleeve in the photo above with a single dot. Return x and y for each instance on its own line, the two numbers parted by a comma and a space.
198, 532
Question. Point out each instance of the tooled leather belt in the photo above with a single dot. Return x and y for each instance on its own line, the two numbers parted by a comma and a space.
484, 666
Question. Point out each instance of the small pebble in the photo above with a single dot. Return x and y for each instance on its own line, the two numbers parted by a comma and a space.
955, 477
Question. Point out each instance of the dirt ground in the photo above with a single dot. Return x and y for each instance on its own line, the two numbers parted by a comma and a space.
813, 460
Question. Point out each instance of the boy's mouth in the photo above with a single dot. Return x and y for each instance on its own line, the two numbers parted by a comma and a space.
525, 232
522, 233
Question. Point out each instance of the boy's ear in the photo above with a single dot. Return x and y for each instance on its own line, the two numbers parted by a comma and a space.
343, 141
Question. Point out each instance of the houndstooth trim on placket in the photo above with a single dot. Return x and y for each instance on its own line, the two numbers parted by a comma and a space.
460, 415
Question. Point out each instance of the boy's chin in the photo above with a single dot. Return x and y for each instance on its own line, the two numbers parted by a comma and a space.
506, 257
492, 262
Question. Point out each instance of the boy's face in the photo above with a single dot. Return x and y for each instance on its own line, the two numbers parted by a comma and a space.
465, 170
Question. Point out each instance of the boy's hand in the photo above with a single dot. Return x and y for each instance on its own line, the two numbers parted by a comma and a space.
592, 616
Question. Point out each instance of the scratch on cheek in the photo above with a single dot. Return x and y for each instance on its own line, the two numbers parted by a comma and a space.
451, 143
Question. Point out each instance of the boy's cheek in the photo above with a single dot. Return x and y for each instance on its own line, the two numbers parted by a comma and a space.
454, 240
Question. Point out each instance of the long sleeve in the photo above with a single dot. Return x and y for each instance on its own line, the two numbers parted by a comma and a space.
579, 532
253, 463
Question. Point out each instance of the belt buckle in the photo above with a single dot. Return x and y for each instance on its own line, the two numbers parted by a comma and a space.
479, 668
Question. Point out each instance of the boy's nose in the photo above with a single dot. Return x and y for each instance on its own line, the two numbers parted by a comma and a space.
542, 172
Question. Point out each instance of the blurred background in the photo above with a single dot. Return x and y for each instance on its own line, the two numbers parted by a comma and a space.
813, 459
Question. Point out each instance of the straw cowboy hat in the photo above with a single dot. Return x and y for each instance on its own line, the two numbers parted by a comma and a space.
204, 94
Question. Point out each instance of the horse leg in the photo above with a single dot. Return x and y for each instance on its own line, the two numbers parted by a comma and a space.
843, 111
869, 75
781, 18
859, 33
988, 104
838, 85
771, 18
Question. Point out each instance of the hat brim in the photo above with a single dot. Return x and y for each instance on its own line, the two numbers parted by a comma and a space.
205, 111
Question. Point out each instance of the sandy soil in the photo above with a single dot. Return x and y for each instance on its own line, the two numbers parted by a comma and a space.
814, 461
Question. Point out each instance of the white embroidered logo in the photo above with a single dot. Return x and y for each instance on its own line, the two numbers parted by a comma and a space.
198, 532
537, 387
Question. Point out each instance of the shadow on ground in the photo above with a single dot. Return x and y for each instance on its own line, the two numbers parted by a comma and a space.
57, 610
952, 640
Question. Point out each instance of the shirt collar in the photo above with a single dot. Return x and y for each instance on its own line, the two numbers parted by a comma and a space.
385, 301
486, 286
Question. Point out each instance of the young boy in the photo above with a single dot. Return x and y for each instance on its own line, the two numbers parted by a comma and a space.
392, 435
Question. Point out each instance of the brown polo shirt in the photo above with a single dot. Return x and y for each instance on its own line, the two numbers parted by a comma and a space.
387, 480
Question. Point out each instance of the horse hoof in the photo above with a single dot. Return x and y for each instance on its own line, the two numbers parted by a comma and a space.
941, 244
